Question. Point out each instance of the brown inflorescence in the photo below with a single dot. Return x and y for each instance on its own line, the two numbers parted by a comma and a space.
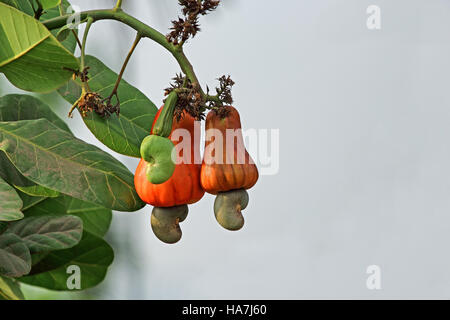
188, 26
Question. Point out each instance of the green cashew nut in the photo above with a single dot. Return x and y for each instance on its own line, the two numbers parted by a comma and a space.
157, 152
228, 206
163, 125
165, 222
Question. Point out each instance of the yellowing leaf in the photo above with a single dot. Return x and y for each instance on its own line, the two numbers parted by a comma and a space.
30, 56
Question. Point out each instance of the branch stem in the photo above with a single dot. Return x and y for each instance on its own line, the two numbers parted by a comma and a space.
76, 38
83, 44
143, 29
213, 98
125, 63
85, 86
118, 4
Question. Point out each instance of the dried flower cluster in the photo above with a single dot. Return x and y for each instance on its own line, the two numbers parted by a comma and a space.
88, 103
83, 74
224, 90
224, 95
189, 98
92, 101
188, 26
108, 107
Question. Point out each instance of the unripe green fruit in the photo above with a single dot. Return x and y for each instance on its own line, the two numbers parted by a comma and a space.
163, 125
157, 152
165, 222
228, 206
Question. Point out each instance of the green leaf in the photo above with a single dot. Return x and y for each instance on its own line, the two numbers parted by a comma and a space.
10, 204
11, 175
37, 257
55, 159
15, 259
31, 57
14, 107
96, 219
47, 4
122, 134
22, 5
70, 43
92, 255
63, 33
3, 226
10, 289
29, 201
38, 191
25, 6
48, 233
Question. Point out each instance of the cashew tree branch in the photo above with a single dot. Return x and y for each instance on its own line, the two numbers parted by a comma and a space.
143, 30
